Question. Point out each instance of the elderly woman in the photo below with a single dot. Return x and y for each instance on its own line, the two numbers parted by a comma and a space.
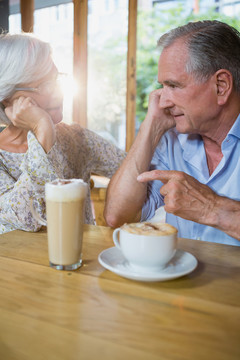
35, 147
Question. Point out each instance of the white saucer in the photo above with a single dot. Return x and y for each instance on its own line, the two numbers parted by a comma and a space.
181, 264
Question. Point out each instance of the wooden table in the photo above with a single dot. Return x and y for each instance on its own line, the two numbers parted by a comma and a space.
94, 314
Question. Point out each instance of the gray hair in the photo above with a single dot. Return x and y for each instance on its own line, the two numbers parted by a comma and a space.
23, 59
212, 45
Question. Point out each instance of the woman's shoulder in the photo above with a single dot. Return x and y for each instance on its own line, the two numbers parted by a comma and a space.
71, 129
66, 131
73, 138
77, 132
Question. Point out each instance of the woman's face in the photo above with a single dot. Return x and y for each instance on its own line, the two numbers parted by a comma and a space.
47, 95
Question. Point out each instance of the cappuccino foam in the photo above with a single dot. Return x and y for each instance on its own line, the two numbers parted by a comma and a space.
150, 229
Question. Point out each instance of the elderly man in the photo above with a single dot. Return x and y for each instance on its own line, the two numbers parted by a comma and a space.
186, 154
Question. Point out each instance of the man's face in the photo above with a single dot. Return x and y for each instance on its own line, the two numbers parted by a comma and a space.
192, 103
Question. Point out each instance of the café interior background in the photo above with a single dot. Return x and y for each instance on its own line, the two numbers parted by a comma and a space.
107, 48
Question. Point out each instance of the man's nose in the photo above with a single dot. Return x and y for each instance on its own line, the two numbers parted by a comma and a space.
165, 100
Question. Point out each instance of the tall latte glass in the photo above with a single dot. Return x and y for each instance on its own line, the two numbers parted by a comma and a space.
65, 202
65, 205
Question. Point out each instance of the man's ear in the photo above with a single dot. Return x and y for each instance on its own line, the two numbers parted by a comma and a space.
224, 85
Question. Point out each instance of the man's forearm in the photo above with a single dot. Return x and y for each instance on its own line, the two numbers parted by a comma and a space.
125, 195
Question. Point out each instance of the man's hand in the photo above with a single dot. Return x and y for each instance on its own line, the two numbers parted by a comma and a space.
184, 196
157, 119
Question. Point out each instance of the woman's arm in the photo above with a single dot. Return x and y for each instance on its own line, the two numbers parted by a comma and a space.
34, 170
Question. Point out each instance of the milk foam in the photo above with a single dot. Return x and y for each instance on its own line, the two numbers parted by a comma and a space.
66, 190
151, 229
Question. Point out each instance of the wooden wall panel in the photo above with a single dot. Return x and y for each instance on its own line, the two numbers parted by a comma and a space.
27, 15
131, 74
80, 61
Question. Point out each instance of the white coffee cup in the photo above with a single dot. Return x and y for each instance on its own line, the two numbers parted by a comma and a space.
65, 209
147, 247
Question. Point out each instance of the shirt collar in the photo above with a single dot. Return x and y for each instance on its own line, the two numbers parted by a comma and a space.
235, 129
192, 146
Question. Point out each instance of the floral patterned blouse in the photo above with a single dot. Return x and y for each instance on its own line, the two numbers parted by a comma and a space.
77, 153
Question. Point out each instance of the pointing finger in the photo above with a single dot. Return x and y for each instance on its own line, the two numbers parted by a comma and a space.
162, 175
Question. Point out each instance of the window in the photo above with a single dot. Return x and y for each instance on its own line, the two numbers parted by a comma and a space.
107, 50
107, 66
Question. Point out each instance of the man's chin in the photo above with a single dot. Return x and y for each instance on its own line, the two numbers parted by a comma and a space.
181, 130
183, 127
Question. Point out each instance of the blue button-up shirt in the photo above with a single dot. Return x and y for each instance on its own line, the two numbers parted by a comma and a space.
185, 152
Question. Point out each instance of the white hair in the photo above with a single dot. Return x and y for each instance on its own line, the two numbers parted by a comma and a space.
212, 45
23, 59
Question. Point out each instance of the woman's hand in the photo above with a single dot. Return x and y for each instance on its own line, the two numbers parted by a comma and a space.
24, 113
